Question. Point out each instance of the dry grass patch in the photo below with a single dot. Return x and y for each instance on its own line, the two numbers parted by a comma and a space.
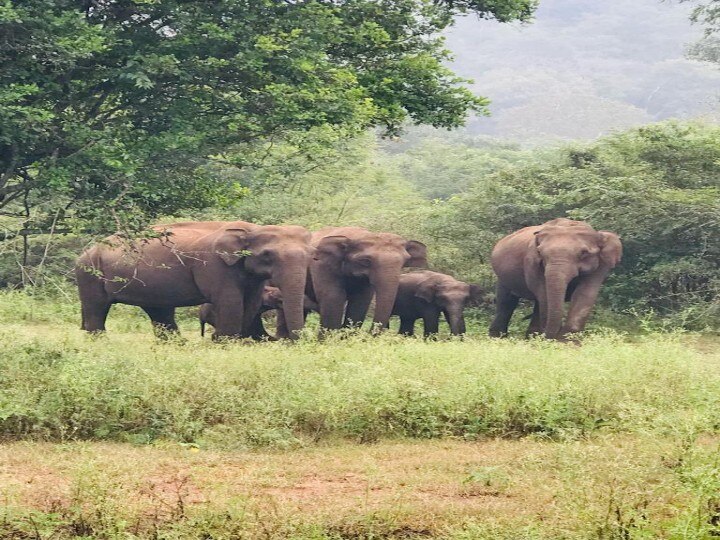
435, 488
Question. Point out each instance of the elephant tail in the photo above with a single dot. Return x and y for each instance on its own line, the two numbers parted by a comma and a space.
202, 328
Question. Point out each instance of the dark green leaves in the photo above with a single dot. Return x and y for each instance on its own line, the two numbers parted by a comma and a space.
116, 103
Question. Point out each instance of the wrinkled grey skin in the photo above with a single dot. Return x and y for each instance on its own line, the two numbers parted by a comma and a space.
226, 263
271, 299
425, 295
558, 261
351, 265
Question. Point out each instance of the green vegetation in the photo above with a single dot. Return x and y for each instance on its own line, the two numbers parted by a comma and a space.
353, 437
119, 105
57, 384
657, 186
607, 488
114, 113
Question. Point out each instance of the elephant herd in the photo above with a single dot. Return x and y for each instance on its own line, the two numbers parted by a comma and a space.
237, 270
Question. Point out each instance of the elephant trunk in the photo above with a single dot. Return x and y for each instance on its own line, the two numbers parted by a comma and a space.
386, 285
456, 320
556, 283
291, 283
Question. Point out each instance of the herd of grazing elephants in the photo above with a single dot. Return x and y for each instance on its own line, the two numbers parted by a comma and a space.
237, 270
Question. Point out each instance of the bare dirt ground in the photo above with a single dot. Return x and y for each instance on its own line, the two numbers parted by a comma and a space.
426, 486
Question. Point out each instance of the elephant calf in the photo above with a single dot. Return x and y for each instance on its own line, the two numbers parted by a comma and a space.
549, 264
426, 294
271, 299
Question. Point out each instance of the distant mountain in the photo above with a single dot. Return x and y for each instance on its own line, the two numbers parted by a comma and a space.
585, 68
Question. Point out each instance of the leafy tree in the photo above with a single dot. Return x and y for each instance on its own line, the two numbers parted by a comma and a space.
658, 186
109, 109
439, 168
351, 182
708, 14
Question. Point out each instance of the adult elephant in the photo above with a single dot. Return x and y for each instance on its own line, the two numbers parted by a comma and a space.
226, 263
351, 265
551, 263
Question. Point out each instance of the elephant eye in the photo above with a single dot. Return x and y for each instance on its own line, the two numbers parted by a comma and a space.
363, 261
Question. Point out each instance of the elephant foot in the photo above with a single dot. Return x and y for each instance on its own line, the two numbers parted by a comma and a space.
263, 337
96, 334
165, 335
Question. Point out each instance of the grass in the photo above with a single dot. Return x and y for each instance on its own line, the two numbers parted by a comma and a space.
125, 436
611, 487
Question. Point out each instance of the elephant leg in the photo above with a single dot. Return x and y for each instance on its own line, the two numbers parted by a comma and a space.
252, 321
535, 326
581, 304
431, 322
163, 320
357, 307
229, 313
257, 329
505, 304
282, 331
407, 326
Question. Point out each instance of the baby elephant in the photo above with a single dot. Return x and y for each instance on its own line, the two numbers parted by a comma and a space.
427, 294
271, 299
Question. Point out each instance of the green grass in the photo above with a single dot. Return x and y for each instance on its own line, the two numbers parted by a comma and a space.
125, 436
58, 384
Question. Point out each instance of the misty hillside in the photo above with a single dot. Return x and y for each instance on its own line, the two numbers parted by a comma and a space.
585, 68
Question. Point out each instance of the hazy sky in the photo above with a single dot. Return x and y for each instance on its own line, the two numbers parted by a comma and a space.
585, 68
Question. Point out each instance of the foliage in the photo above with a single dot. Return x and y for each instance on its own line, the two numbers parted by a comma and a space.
109, 108
585, 69
438, 168
708, 48
353, 387
657, 186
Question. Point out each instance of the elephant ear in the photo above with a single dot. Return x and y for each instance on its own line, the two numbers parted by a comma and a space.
610, 248
532, 255
426, 289
418, 254
332, 247
231, 245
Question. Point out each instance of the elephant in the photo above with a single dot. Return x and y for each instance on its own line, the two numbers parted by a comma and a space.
552, 263
351, 264
271, 299
426, 294
226, 263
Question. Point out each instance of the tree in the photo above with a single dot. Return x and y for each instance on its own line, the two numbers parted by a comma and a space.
708, 14
110, 109
658, 186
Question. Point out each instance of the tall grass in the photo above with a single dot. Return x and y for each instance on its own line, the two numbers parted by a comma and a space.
59, 384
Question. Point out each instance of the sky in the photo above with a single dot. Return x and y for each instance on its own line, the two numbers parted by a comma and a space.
585, 68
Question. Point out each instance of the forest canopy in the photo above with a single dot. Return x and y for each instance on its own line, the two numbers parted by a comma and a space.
110, 109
